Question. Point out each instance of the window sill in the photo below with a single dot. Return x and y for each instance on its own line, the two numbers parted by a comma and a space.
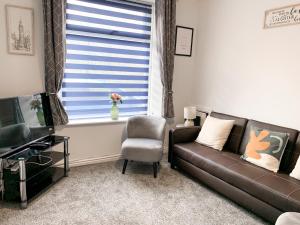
96, 121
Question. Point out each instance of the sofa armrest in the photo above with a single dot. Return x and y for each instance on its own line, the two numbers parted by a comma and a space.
181, 135
184, 134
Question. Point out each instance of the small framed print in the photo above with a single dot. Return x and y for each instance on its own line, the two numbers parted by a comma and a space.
19, 29
184, 41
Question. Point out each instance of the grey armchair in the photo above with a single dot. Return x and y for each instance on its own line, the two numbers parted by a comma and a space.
144, 140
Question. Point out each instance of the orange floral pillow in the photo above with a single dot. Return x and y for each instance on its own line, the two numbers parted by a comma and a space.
265, 148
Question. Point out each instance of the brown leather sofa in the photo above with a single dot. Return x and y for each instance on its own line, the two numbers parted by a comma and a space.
263, 192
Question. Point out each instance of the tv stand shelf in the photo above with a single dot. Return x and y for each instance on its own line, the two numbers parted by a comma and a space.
33, 169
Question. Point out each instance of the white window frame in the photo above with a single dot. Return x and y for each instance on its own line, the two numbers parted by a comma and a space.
153, 109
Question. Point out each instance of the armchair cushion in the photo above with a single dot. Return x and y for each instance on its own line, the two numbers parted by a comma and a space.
142, 149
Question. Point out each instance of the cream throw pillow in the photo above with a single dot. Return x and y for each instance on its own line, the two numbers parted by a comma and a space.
215, 132
296, 171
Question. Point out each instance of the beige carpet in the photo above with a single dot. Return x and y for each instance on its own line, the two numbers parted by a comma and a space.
100, 194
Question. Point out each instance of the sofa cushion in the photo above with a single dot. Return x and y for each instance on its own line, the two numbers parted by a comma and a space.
278, 190
293, 134
234, 140
294, 202
192, 151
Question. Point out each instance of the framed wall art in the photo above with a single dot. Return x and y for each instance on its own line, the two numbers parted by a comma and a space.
20, 30
184, 41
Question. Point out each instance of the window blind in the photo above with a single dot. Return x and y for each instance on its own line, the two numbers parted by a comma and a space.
108, 50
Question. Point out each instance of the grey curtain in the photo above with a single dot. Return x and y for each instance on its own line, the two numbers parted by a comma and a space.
54, 28
165, 15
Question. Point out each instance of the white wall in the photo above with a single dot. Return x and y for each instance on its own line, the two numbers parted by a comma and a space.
185, 67
94, 143
244, 69
89, 143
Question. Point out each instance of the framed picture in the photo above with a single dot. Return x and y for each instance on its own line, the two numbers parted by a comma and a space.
184, 41
19, 29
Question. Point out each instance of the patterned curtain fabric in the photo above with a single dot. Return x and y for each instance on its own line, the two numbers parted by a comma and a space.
165, 14
54, 27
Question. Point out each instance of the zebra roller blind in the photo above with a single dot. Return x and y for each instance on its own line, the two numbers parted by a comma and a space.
108, 50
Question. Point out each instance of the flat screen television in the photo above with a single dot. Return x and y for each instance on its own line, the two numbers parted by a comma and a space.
24, 120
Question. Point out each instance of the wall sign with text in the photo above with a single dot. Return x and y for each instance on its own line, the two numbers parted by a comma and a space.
284, 16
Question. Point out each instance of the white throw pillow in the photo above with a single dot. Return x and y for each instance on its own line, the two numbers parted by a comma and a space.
296, 171
215, 132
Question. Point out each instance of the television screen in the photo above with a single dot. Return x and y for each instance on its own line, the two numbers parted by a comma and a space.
23, 120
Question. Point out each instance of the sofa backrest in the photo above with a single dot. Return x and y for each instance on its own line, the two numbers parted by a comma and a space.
235, 137
288, 153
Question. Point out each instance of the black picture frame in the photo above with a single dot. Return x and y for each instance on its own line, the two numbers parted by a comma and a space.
191, 44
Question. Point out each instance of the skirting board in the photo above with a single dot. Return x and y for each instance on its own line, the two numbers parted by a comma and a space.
109, 158
83, 162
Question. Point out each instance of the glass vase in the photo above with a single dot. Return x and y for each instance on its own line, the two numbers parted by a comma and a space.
114, 112
40, 116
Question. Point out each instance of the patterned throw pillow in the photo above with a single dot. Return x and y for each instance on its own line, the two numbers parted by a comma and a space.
265, 148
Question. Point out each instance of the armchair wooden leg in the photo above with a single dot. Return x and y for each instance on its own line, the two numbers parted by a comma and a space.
155, 169
124, 166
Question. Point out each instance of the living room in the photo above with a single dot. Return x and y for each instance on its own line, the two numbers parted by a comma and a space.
237, 64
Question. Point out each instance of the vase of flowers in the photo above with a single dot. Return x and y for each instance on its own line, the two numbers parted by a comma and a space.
114, 112
36, 105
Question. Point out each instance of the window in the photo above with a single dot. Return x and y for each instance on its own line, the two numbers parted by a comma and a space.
108, 46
